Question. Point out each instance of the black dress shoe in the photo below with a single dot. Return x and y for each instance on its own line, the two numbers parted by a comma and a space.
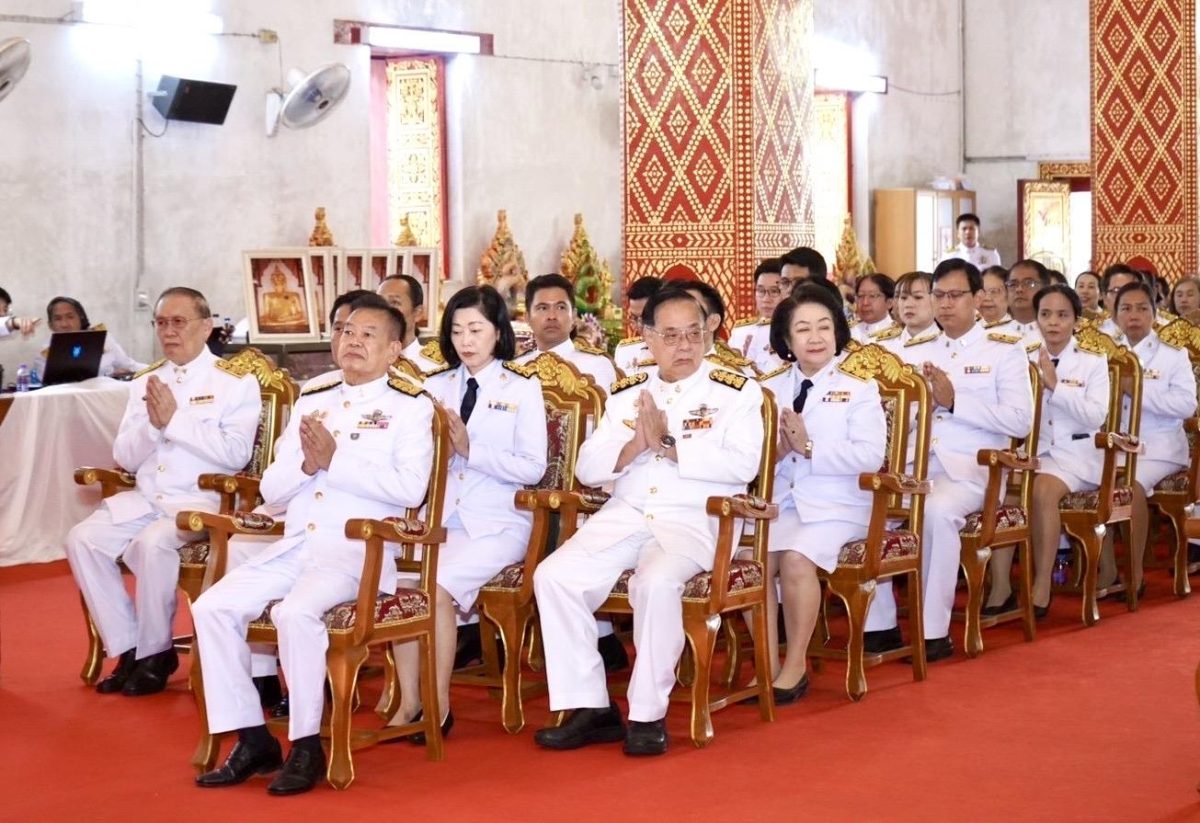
785, 696
150, 676
882, 640
938, 648
612, 650
280, 709
583, 727
304, 767
644, 739
115, 681
244, 762
468, 651
418, 738
1009, 605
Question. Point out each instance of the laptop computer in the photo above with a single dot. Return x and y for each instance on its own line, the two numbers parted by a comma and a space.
74, 356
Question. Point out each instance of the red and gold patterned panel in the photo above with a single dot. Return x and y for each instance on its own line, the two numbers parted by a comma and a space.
1144, 133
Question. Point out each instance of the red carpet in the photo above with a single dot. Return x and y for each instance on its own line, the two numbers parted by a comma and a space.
1081, 725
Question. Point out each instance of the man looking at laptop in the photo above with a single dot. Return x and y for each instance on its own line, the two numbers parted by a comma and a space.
66, 314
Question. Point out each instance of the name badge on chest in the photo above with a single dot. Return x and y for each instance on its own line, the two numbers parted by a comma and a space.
500, 405
977, 369
202, 400
836, 397
375, 420
1151, 374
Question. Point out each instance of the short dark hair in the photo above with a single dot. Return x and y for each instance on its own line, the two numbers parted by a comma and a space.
5, 296
84, 323
829, 286
772, 265
549, 281
1088, 273
1042, 272
1130, 288
1059, 288
781, 320
953, 264
995, 271
415, 290
709, 294
885, 283
967, 217
346, 299
808, 258
374, 302
491, 305
644, 287
199, 301
1112, 271
1056, 277
670, 294
905, 281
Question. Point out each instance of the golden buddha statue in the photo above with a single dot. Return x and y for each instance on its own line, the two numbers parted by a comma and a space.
281, 307
321, 235
406, 236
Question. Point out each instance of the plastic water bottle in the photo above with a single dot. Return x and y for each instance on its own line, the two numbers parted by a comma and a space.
1061, 575
35, 379
22, 377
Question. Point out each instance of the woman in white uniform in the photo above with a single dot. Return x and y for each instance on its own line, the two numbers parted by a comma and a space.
498, 428
65, 314
832, 428
1074, 405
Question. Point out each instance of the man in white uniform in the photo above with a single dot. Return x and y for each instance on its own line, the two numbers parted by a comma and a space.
873, 296
187, 415
982, 397
969, 248
799, 265
1025, 279
751, 336
404, 293
11, 323
667, 443
632, 352
1115, 278
357, 447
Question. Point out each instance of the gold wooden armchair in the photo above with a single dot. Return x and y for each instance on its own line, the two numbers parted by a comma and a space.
1175, 494
734, 586
574, 405
371, 619
1002, 524
236, 491
407, 368
886, 553
1086, 516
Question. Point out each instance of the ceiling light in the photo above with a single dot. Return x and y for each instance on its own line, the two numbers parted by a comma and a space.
423, 40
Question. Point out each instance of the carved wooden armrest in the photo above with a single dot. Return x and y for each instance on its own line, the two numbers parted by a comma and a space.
236, 490
1192, 424
1017, 461
892, 482
1118, 441
111, 480
395, 530
745, 506
235, 523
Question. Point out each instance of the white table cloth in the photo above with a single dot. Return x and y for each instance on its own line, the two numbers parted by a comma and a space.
45, 436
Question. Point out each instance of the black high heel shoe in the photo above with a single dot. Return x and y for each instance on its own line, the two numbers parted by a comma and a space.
1008, 605
418, 738
1041, 612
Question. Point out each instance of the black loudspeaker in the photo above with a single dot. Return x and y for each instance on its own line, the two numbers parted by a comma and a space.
197, 101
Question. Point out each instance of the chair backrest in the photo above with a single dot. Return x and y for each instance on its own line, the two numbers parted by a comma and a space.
1182, 334
763, 485
408, 368
1020, 483
278, 396
907, 406
574, 406
1123, 366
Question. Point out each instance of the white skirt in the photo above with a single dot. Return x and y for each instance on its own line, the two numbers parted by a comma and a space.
820, 542
464, 565
1074, 482
1151, 472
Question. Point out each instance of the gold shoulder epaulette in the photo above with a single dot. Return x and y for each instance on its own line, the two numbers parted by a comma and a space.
227, 367
1169, 342
1032, 347
1001, 337
778, 371
890, 333
442, 368
994, 323
149, 368
629, 341
727, 378
746, 321
625, 382
520, 368
319, 389
588, 348
641, 364
852, 321
729, 355
405, 387
433, 351
925, 338
97, 327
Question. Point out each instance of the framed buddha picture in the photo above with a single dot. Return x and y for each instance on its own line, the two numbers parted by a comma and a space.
280, 302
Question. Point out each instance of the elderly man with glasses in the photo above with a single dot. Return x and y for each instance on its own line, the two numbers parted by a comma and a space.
1025, 279
188, 414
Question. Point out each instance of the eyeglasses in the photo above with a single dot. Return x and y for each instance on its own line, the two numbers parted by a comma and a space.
173, 323
871, 295
763, 292
994, 291
952, 295
673, 337
1029, 283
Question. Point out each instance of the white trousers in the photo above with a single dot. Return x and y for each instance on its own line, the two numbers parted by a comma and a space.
574, 581
223, 613
150, 548
263, 661
946, 510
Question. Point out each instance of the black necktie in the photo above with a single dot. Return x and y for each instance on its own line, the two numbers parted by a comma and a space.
1054, 360
798, 403
468, 401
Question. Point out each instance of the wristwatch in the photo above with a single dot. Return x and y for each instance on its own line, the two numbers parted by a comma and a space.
808, 450
666, 441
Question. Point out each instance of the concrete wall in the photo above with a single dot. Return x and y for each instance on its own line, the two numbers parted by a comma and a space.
526, 134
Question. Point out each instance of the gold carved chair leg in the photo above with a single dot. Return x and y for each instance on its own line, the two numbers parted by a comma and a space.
95, 653
701, 631
974, 561
208, 747
342, 664
512, 622
857, 595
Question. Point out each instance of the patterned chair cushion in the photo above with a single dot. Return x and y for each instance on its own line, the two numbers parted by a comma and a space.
558, 440
897, 545
1090, 501
390, 610
1007, 517
194, 553
1176, 483
510, 577
743, 574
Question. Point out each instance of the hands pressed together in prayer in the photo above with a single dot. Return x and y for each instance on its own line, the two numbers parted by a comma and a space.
939, 381
316, 443
160, 403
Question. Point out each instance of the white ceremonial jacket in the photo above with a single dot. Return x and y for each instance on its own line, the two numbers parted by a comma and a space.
848, 428
867, 332
1030, 333
903, 344
507, 433
1168, 398
979, 255
632, 355
715, 416
751, 338
211, 431
597, 366
1075, 411
381, 466
993, 399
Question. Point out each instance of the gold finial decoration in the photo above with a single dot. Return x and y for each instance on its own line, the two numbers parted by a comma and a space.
406, 236
321, 235
849, 261
589, 274
503, 267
